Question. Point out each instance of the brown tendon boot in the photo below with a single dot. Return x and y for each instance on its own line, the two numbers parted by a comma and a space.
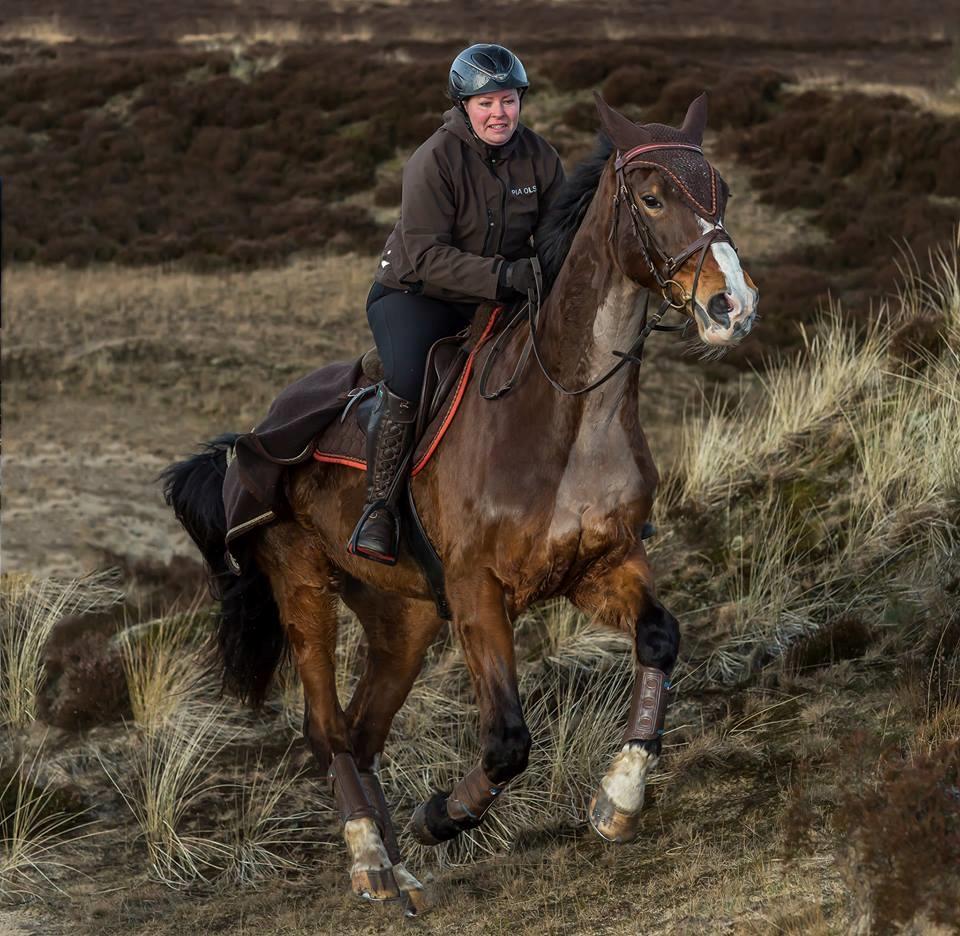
389, 438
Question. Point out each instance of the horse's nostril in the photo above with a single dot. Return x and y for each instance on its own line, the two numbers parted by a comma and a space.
718, 308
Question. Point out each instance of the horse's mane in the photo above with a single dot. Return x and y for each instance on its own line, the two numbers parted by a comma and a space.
563, 220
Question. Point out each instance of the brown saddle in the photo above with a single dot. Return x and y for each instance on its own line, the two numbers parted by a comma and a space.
448, 370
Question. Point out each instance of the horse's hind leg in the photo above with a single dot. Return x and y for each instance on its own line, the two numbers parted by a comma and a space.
399, 631
623, 598
303, 589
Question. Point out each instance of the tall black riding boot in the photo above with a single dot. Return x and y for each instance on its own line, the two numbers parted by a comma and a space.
389, 438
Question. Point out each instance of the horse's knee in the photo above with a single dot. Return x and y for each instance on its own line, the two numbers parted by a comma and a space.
507, 752
658, 637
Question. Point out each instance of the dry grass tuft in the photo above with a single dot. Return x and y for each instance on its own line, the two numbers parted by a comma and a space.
30, 608
34, 833
170, 769
165, 673
262, 836
723, 448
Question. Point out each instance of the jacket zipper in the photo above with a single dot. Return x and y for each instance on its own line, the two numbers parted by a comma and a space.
486, 238
503, 204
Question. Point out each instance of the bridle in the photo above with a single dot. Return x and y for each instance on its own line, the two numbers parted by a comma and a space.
664, 279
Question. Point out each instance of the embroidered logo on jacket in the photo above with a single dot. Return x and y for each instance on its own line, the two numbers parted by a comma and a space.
524, 190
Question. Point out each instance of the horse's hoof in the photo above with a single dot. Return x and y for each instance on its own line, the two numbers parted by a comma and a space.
375, 884
420, 829
417, 903
412, 890
610, 823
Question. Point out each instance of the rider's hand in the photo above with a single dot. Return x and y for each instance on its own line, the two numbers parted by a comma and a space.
520, 277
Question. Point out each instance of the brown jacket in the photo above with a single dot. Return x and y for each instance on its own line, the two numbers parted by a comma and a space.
463, 213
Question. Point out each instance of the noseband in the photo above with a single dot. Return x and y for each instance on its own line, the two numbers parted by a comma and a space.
649, 247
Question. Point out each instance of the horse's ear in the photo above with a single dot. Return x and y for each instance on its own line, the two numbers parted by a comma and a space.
623, 132
696, 120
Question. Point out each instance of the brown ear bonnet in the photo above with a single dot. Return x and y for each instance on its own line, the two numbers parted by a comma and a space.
675, 152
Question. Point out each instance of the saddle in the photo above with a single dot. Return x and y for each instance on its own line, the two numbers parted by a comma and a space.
448, 370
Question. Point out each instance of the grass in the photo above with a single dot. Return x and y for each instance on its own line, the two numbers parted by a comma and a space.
163, 669
30, 608
723, 447
169, 772
35, 833
260, 841
45, 30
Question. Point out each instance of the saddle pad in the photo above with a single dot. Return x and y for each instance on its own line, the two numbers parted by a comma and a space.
344, 443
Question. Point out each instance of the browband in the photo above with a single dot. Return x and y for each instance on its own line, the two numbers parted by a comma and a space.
648, 147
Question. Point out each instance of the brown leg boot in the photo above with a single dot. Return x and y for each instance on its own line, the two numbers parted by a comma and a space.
389, 439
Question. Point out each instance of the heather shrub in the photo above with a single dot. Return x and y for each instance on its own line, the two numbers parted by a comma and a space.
904, 840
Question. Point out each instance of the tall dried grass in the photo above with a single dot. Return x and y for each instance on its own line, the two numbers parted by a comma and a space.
30, 608
164, 670
170, 771
721, 449
35, 833
262, 836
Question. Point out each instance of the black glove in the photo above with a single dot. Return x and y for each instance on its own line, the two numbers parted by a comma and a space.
520, 277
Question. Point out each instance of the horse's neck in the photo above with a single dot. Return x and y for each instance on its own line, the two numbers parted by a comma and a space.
592, 311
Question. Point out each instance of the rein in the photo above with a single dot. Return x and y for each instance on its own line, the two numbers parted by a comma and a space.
667, 285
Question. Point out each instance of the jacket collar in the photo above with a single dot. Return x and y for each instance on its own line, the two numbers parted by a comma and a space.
455, 122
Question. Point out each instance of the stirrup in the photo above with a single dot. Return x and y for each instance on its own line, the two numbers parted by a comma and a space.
354, 547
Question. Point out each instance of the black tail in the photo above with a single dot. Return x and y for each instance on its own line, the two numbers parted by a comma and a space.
249, 632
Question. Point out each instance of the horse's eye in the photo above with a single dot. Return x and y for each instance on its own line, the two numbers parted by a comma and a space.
651, 202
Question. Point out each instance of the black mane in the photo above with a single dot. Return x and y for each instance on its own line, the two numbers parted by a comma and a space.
563, 220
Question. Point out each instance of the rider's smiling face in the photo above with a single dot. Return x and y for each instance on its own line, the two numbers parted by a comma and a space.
494, 117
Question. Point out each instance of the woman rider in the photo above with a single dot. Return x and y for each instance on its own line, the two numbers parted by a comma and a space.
473, 196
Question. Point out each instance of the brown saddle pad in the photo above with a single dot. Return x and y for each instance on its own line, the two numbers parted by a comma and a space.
344, 442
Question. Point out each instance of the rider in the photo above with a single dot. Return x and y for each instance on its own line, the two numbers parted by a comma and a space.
473, 196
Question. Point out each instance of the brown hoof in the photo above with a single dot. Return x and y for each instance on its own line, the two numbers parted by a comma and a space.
375, 884
418, 826
417, 903
611, 824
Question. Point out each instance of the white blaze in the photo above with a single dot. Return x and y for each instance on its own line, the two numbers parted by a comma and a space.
729, 264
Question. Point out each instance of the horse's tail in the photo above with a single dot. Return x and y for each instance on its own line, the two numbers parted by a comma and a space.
249, 632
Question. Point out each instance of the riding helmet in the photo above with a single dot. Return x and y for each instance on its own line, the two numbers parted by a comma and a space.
483, 68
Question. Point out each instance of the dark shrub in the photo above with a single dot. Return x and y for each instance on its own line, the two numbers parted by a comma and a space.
633, 84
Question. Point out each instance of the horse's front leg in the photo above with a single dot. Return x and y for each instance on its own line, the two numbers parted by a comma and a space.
623, 597
484, 629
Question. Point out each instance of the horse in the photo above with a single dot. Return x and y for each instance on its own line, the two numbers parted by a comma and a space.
543, 493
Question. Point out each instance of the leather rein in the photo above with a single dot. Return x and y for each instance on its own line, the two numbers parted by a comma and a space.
673, 296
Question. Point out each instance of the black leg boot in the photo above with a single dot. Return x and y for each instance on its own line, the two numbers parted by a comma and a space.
389, 439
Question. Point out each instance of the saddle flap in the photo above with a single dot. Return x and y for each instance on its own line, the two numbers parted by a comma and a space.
445, 361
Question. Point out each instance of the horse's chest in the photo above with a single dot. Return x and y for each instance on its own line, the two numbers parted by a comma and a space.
606, 486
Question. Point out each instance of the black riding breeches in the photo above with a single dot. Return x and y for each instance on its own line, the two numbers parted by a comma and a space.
404, 327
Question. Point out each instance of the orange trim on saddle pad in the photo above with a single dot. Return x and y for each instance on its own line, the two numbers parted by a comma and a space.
361, 464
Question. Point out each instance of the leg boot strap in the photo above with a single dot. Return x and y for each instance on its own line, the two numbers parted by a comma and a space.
648, 708
348, 791
473, 796
371, 786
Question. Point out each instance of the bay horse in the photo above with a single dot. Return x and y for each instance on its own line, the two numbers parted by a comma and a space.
543, 493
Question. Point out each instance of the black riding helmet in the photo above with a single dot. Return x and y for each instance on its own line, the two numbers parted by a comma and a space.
483, 68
